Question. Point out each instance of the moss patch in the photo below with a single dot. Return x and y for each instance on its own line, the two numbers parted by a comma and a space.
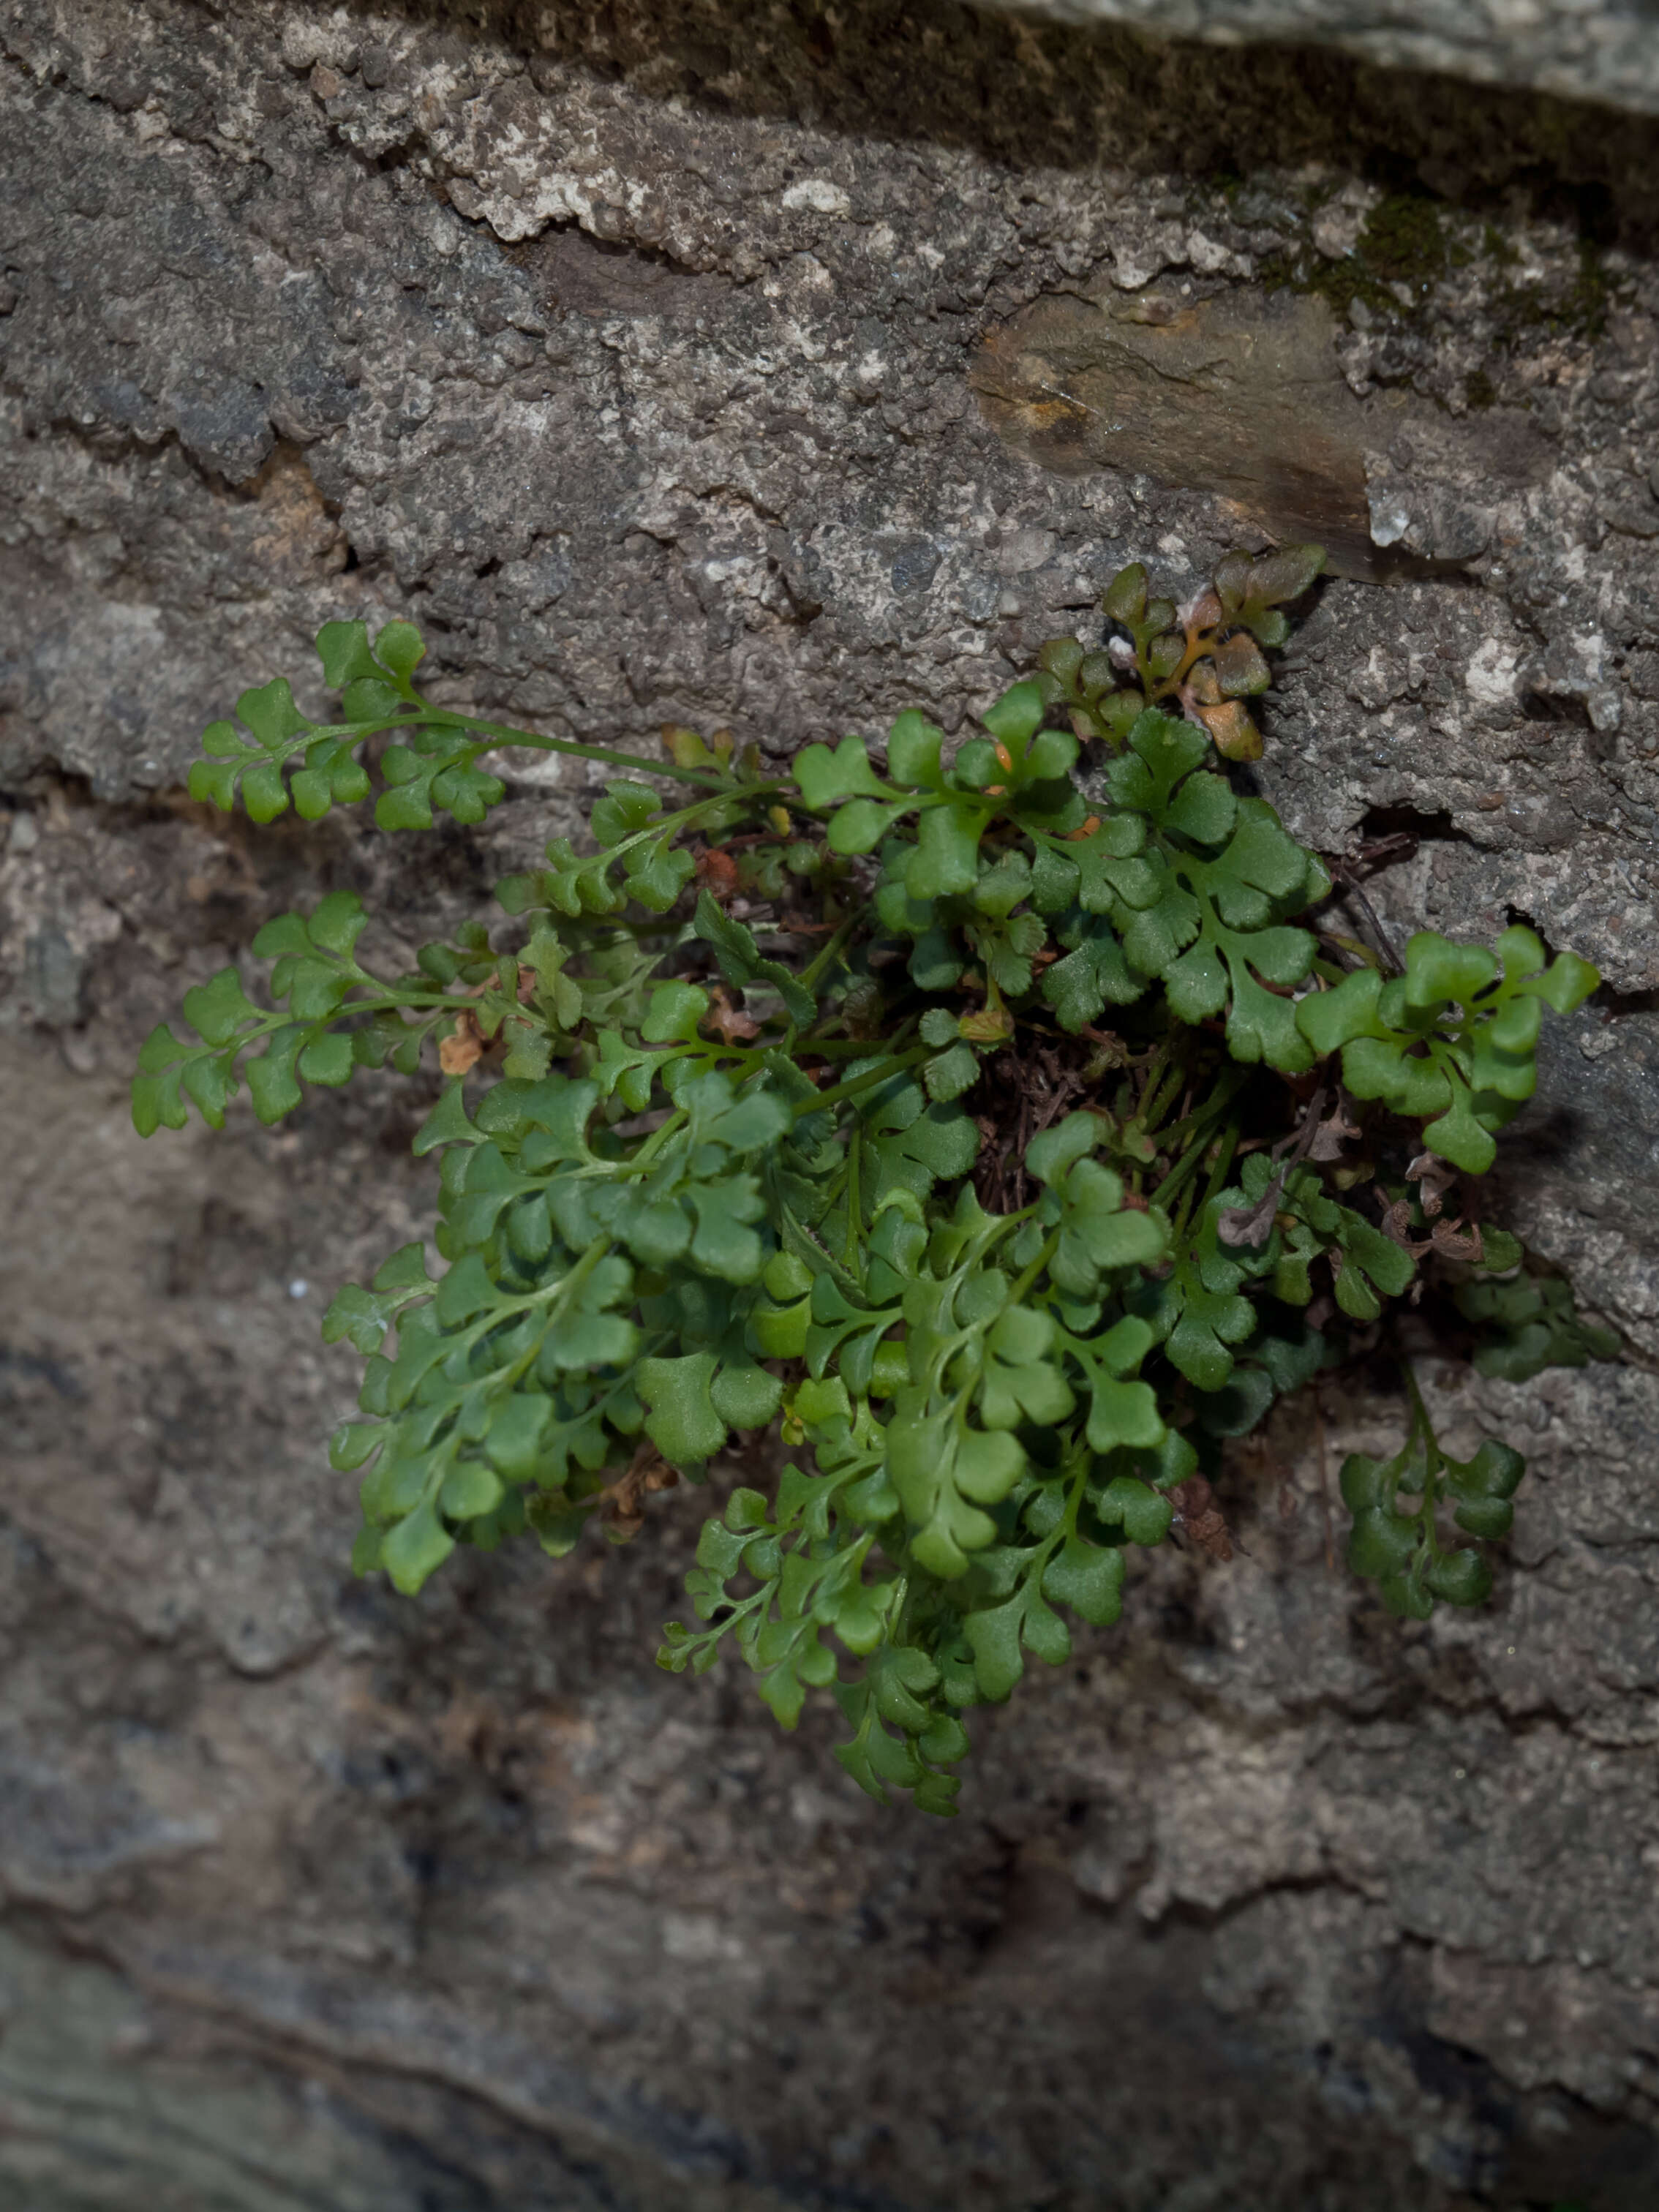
1404, 241
1406, 246
1580, 312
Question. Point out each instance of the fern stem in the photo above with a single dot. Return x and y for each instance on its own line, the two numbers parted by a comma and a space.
1432, 1463
1163, 1089
502, 733
855, 1211
867, 1081
1028, 1275
1226, 1091
821, 959
1219, 1172
646, 1154
1202, 1129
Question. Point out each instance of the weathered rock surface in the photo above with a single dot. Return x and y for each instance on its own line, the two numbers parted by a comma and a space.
642, 357
1604, 50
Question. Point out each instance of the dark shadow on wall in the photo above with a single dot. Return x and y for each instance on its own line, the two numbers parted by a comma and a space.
1037, 97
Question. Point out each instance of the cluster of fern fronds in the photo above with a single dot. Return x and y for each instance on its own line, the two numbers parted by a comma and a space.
1008, 1140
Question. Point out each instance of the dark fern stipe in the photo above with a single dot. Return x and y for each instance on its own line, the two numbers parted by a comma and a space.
753, 1142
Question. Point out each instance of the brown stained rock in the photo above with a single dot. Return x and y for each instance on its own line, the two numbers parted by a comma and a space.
1240, 395
1232, 395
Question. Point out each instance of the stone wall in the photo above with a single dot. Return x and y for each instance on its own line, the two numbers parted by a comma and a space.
780, 367
1587, 49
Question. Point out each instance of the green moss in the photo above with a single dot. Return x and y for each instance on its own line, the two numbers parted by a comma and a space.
1580, 312
1403, 242
1584, 310
1341, 282
1479, 390
1497, 248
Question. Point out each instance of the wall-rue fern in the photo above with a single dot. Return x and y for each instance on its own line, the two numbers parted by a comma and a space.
1009, 1146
